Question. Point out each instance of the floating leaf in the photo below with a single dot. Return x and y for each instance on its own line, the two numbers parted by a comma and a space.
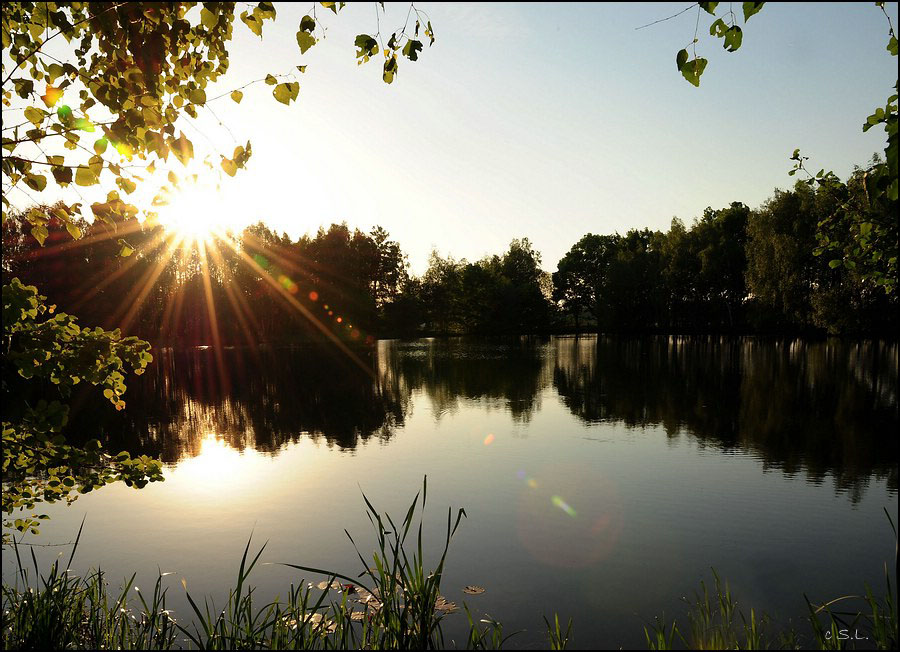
472, 589
326, 585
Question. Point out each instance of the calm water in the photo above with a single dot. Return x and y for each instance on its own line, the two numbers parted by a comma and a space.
602, 477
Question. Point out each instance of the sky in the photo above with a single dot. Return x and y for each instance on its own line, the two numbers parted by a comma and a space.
538, 120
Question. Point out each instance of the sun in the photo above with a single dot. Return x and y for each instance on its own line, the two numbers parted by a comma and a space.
197, 212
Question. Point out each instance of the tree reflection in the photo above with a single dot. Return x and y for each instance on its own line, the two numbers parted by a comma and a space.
823, 407
502, 373
267, 398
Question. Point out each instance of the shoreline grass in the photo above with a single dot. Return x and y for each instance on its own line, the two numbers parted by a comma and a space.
395, 604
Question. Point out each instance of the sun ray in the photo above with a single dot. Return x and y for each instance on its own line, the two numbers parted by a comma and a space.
95, 284
213, 318
197, 213
238, 303
135, 299
292, 301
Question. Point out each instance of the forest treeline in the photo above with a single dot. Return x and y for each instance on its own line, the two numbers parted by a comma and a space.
734, 270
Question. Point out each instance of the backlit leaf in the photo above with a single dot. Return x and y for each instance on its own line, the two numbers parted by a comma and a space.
411, 50
125, 251
692, 70
208, 18
286, 92
34, 116
751, 8
254, 23
40, 233
84, 176
35, 181
305, 40
733, 38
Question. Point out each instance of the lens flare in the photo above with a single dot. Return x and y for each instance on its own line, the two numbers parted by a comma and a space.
553, 531
564, 506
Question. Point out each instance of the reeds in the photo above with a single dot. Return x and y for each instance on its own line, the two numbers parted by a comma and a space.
62, 611
394, 604
718, 624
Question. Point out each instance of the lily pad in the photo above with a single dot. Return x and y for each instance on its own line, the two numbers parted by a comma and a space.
442, 604
325, 585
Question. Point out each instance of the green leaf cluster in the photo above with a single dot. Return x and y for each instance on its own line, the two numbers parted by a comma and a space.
141, 66
50, 350
725, 28
862, 232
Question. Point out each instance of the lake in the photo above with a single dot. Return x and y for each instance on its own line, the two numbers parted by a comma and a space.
602, 477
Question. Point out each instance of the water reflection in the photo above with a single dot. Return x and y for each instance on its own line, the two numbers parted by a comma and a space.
818, 407
266, 399
498, 373
821, 408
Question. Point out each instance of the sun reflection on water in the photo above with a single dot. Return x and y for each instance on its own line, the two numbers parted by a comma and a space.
219, 467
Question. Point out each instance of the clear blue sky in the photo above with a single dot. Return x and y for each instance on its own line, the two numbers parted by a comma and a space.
544, 121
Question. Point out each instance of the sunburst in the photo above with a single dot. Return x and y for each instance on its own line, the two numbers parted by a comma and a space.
196, 213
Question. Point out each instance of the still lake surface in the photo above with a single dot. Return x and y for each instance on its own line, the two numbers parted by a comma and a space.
602, 477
